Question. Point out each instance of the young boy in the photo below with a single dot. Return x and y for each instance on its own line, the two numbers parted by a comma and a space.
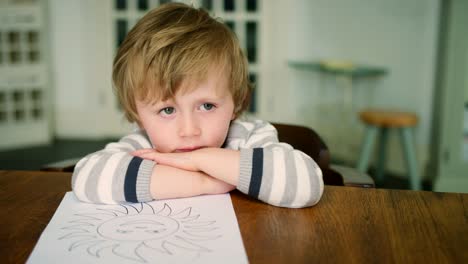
182, 77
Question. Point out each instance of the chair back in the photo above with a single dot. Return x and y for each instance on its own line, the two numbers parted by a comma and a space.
308, 141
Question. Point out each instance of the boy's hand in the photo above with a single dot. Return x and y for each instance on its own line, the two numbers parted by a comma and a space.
181, 160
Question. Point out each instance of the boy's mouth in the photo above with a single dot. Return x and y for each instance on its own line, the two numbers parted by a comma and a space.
187, 149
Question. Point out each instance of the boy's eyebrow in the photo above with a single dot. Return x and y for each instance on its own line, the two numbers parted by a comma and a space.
160, 102
208, 98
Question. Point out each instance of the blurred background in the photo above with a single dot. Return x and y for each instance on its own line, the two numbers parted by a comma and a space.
56, 100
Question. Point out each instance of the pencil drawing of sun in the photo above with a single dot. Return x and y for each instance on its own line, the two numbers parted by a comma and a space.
136, 231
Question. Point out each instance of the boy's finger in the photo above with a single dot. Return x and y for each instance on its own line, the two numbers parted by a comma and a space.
142, 151
148, 155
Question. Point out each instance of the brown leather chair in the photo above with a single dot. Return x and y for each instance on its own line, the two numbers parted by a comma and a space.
308, 141
301, 138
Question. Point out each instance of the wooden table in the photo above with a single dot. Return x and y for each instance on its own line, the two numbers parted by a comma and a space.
349, 225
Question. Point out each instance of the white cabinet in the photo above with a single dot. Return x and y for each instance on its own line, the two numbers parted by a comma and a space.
24, 74
452, 145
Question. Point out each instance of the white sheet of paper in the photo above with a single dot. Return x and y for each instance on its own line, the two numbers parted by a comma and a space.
200, 229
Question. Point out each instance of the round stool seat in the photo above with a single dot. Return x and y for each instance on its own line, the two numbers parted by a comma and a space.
385, 118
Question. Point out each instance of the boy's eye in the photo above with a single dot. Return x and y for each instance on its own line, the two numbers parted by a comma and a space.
167, 110
207, 106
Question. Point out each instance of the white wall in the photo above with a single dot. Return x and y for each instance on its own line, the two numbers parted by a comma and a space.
399, 35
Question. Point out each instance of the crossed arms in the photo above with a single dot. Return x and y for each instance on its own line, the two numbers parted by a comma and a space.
253, 161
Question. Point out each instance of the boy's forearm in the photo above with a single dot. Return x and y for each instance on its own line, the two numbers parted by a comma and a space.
169, 182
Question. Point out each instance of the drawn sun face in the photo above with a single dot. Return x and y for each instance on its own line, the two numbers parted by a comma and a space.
133, 228
135, 231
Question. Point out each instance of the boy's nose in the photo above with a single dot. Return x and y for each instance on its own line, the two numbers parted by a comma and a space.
189, 127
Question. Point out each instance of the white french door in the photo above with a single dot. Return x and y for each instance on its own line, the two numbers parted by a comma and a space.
24, 74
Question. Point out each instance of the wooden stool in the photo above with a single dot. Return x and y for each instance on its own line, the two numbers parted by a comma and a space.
382, 121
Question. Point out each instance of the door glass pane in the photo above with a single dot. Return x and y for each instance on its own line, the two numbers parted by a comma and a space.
251, 5
229, 5
3, 116
14, 56
207, 4
13, 38
120, 4
142, 5
121, 31
251, 41
33, 37
231, 25
253, 95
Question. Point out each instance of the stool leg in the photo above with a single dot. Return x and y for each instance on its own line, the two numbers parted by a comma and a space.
382, 154
363, 162
410, 156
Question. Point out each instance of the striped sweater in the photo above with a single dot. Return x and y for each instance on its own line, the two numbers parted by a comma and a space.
270, 171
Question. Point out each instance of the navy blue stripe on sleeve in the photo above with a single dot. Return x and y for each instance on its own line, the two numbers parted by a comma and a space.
257, 172
131, 179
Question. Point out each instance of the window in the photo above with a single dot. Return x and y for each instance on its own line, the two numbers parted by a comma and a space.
243, 18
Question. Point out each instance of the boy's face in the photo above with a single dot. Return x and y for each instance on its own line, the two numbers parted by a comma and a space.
195, 119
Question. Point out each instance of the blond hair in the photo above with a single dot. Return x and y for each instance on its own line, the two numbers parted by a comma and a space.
172, 44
